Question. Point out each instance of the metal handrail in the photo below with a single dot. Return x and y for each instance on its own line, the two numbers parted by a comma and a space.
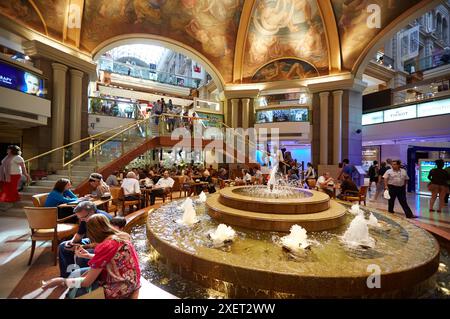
76, 142
103, 142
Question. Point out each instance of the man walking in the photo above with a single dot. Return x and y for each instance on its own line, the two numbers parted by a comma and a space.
395, 180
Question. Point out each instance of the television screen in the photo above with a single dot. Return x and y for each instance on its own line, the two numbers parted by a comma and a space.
20, 80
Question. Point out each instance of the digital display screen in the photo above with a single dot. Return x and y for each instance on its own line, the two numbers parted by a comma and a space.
426, 167
20, 80
282, 115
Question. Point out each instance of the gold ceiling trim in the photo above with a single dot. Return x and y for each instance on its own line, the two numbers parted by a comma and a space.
73, 35
40, 15
416, 11
241, 39
331, 35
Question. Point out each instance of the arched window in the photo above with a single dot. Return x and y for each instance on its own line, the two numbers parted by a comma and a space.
445, 31
439, 25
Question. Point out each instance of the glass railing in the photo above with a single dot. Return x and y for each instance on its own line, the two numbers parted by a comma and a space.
115, 107
427, 63
109, 65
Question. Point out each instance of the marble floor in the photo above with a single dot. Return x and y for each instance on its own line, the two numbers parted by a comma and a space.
15, 240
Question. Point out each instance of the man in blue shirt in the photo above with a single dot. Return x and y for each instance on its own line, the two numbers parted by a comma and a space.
67, 262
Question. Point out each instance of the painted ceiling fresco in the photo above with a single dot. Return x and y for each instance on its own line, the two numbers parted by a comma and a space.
285, 39
52, 12
209, 26
285, 69
285, 28
357, 23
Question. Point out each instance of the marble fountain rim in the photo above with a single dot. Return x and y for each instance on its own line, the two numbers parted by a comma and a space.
307, 284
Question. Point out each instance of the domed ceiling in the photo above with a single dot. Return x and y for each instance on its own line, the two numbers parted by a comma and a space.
246, 40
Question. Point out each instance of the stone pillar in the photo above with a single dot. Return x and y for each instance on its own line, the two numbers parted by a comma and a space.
76, 78
245, 113
324, 127
58, 106
234, 112
337, 126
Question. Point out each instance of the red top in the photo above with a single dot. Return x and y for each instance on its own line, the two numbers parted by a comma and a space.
121, 273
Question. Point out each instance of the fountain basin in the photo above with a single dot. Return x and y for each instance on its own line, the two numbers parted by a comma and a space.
254, 266
306, 202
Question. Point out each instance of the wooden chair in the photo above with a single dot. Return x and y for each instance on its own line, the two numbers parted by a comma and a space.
114, 205
44, 225
39, 199
128, 203
186, 188
311, 183
167, 194
356, 196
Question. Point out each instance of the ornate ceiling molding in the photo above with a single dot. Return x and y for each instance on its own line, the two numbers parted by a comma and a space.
332, 35
39, 14
241, 39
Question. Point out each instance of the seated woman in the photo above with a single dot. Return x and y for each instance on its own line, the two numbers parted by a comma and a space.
207, 178
113, 265
187, 183
348, 187
61, 194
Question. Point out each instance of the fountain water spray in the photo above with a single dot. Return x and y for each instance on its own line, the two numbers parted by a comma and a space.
357, 234
202, 197
189, 215
355, 210
297, 240
222, 235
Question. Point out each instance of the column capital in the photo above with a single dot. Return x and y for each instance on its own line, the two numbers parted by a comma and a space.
324, 94
338, 93
59, 67
234, 101
76, 73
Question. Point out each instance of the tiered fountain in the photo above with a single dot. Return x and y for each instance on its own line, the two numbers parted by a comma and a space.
330, 252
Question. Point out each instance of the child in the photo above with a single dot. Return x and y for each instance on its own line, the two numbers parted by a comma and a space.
118, 223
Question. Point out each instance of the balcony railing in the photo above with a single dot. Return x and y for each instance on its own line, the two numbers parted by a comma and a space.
109, 65
427, 63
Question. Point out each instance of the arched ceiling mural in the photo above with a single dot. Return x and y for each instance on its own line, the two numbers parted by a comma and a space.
242, 38
285, 28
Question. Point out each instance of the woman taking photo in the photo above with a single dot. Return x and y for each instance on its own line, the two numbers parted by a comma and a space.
12, 168
61, 194
438, 185
113, 265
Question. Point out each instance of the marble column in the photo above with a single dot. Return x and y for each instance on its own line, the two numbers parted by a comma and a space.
324, 127
76, 79
245, 113
234, 112
337, 126
58, 107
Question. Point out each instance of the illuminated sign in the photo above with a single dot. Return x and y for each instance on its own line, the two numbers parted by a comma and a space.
18, 79
401, 113
433, 108
372, 118
282, 115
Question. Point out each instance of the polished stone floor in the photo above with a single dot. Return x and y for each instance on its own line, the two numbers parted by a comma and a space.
15, 242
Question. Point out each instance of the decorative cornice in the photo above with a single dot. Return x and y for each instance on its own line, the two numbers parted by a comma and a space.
242, 93
59, 67
344, 84
76, 73
37, 49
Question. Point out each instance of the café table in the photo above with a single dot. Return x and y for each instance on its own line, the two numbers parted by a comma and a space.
100, 203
